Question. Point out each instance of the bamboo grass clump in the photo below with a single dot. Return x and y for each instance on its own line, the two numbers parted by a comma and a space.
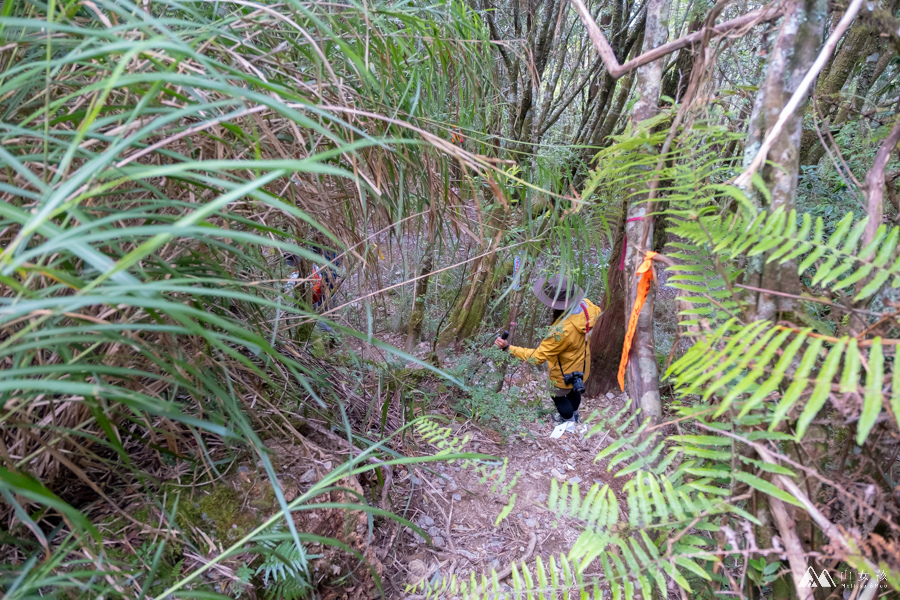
157, 161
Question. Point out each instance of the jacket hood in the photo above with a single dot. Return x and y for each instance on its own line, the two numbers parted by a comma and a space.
577, 314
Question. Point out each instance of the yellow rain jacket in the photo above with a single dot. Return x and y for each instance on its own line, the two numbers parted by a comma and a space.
565, 341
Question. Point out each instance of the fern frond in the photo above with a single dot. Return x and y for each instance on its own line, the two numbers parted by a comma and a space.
834, 262
746, 365
440, 437
284, 570
644, 451
704, 283
560, 577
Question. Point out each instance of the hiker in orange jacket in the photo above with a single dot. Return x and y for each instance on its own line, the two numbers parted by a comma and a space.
565, 349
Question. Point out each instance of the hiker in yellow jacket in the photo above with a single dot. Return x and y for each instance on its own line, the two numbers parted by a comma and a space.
565, 349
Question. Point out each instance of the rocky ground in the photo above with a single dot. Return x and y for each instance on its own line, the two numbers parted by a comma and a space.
458, 507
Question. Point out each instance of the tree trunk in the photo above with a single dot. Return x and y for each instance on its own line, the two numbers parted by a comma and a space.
859, 43
469, 310
417, 315
512, 323
676, 80
608, 334
642, 374
790, 57
794, 51
615, 112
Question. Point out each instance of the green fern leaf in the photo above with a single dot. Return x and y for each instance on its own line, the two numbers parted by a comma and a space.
541, 573
588, 503
612, 508
766, 487
562, 504
610, 576
758, 371
674, 502
693, 567
872, 400
705, 453
797, 239
716, 473
850, 376
767, 466
779, 436
771, 384
646, 589
661, 509
598, 508
822, 389
810, 260
799, 384
746, 356
506, 510
859, 275
887, 249
517, 580
840, 231
866, 252
623, 574
643, 498
854, 237
726, 507
701, 440
575, 504
873, 286
676, 575
588, 547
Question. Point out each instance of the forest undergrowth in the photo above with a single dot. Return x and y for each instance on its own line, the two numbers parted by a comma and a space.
254, 257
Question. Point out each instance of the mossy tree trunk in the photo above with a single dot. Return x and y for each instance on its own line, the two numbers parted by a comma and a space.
469, 311
858, 45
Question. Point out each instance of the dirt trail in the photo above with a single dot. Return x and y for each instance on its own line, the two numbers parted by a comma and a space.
458, 506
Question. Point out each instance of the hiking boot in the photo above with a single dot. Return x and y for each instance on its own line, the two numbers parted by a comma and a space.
576, 417
558, 420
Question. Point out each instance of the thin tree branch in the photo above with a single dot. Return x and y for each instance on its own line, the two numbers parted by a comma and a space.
574, 90
616, 70
875, 184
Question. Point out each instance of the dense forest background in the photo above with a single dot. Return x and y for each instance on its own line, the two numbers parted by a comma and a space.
253, 256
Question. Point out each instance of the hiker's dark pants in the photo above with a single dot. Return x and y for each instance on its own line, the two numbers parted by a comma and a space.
568, 404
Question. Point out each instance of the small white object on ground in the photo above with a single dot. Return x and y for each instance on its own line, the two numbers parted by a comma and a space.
559, 430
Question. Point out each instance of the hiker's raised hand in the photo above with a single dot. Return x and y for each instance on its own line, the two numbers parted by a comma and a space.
501, 343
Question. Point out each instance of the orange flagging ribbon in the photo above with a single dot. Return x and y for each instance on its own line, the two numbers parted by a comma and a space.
642, 290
